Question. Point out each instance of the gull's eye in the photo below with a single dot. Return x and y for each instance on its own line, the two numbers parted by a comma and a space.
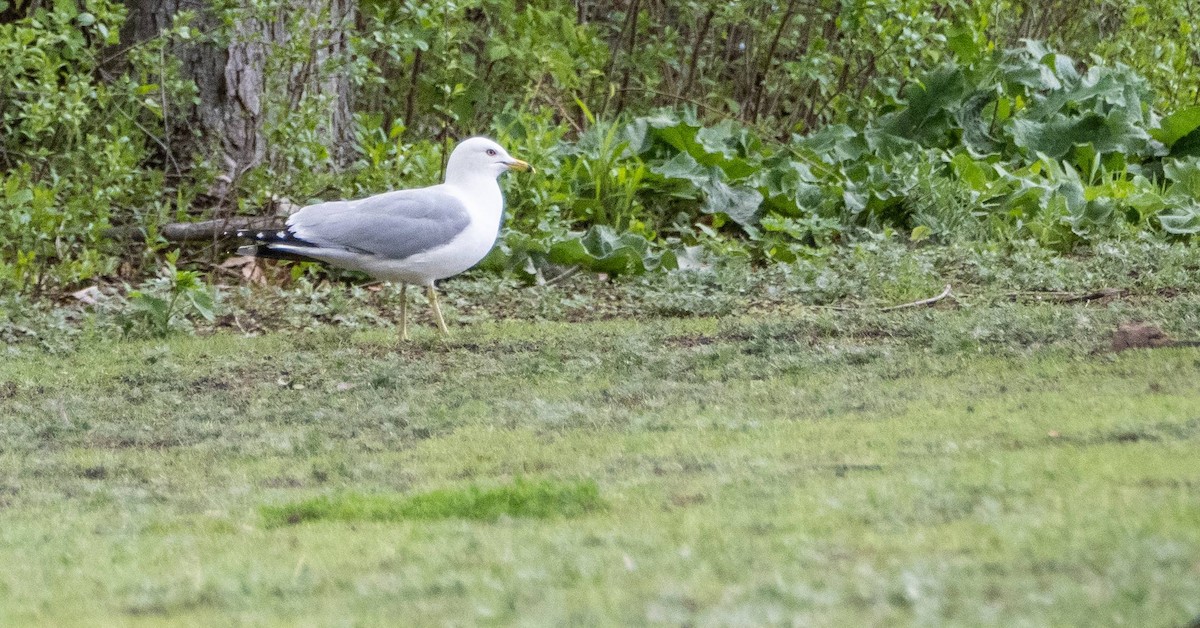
491, 152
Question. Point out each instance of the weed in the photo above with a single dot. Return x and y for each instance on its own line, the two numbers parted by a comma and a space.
174, 296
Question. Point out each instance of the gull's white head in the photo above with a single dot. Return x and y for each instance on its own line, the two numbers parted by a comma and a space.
479, 155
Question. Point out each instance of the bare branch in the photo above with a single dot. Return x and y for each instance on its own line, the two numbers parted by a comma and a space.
930, 301
196, 231
1066, 297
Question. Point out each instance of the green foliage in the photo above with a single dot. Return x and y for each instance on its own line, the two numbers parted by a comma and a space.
543, 499
1160, 40
1181, 202
600, 249
1015, 144
755, 129
75, 151
162, 304
787, 67
452, 64
1180, 132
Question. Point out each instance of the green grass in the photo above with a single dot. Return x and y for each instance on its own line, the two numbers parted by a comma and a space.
971, 466
539, 500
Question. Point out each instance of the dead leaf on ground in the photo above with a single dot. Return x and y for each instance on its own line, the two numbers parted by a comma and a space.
90, 295
249, 268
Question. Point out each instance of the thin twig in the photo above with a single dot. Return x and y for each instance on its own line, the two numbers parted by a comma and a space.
761, 79
217, 268
628, 70
1067, 297
157, 140
413, 82
630, 18
561, 276
238, 322
166, 112
930, 301
705, 22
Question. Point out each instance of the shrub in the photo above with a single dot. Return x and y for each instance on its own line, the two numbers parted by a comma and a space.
74, 153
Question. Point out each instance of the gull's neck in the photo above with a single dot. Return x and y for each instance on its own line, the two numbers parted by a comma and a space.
479, 189
467, 178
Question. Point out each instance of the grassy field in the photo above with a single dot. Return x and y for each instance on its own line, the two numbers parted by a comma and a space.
964, 466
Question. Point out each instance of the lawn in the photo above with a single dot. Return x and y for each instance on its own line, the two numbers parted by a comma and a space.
964, 466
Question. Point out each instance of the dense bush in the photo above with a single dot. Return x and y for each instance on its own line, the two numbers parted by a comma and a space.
49, 124
791, 66
661, 130
78, 142
1004, 146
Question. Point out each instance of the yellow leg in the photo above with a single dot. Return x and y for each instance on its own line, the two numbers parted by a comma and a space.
403, 312
437, 311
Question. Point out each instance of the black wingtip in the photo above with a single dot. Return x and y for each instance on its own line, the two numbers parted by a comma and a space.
266, 236
264, 241
265, 251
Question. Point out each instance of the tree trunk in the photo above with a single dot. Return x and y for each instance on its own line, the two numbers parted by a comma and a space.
243, 85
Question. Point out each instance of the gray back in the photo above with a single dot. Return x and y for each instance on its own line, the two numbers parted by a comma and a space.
394, 225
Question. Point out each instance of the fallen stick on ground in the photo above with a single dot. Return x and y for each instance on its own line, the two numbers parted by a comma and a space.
930, 301
559, 277
195, 231
1067, 297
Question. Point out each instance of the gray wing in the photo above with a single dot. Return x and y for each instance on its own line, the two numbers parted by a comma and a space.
393, 225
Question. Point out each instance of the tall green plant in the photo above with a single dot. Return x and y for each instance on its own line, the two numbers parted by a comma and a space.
73, 146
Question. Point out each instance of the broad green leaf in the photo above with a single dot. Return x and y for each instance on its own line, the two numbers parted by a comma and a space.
788, 187
961, 41
720, 139
889, 145
602, 250
202, 302
1103, 90
1092, 217
677, 131
834, 143
929, 111
1177, 126
969, 171
855, 202
683, 166
1187, 146
726, 145
1026, 66
939, 90
1184, 175
1183, 220
1146, 203
976, 129
740, 204
1056, 137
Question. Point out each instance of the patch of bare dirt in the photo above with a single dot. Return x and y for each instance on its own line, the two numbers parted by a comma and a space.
689, 341
1140, 336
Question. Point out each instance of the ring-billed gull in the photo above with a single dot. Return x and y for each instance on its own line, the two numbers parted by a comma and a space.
407, 236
